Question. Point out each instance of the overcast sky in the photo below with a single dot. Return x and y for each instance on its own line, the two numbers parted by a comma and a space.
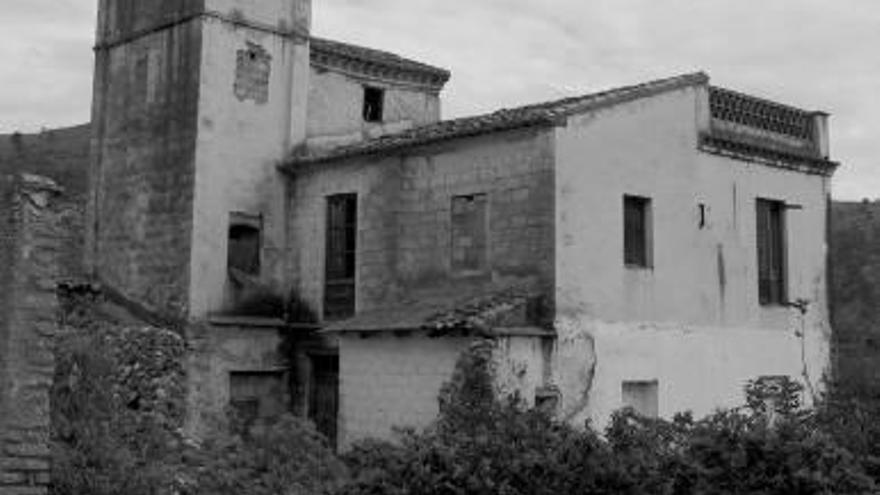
815, 54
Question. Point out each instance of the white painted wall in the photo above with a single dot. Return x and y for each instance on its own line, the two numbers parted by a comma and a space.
675, 323
336, 105
239, 145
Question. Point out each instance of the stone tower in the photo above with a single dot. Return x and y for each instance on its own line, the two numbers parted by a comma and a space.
195, 101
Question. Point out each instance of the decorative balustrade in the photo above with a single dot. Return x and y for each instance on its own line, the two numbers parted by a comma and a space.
737, 108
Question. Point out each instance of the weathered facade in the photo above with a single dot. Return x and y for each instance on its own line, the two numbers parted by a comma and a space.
39, 235
640, 246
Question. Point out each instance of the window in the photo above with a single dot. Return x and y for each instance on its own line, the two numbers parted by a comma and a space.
255, 395
637, 232
642, 397
243, 249
469, 246
373, 103
771, 251
341, 245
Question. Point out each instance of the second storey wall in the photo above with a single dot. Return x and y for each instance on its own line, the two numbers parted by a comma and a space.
404, 218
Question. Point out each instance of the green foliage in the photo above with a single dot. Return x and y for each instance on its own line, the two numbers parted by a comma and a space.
482, 445
116, 406
286, 457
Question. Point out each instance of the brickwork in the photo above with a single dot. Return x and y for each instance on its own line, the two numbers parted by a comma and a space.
405, 218
252, 69
143, 156
388, 381
32, 237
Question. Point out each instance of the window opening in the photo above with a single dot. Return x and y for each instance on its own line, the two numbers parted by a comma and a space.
771, 251
637, 232
340, 263
373, 104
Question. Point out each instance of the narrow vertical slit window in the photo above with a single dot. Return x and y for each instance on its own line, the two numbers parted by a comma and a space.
637, 232
374, 103
770, 222
340, 263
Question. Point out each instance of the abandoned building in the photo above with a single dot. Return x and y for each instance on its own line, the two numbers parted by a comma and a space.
329, 245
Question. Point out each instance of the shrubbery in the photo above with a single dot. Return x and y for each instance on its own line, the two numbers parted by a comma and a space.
111, 443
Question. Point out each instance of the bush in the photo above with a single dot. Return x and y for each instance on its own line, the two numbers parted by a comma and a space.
285, 457
116, 408
482, 445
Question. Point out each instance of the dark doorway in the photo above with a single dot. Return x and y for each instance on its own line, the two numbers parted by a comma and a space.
324, 395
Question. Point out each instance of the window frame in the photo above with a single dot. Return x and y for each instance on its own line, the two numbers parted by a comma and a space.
770, 219
645, 259
347, 231
373, 114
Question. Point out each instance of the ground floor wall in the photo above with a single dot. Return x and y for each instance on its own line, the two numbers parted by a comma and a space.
388, 381
233, 363
668, 368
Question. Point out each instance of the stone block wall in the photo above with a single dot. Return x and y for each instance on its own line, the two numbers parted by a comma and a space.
35, 225
389, 381
405, 218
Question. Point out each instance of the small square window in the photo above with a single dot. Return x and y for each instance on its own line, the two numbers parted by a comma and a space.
642, 397
637, 232
374, 102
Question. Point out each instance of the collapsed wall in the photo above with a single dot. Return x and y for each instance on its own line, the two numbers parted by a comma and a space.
40, 239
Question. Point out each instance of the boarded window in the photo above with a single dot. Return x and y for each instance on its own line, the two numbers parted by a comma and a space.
637, 232
257, 395
642, 397
340, 263
469, 246
243, 249
253, 66
374, 103
771, 251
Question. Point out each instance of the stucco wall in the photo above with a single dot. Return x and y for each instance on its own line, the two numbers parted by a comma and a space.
215, 352
335, 109
404, 218
240, 141
693, 321
144, 123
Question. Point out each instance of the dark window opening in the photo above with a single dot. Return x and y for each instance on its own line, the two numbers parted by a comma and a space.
637, 232
324, 395
374, 102
340, 263
771, 251
244, 243
469, 242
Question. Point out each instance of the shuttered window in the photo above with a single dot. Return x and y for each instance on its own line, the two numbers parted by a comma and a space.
341, 246
771, 251
637, 236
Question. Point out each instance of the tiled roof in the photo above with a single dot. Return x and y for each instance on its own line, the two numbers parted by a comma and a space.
324, 46
441, 314
547, 113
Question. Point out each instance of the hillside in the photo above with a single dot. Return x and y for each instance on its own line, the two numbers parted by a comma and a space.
62, 154
855, 274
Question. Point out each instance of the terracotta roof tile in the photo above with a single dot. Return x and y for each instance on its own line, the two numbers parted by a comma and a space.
445, 313
547, 113
372, 55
